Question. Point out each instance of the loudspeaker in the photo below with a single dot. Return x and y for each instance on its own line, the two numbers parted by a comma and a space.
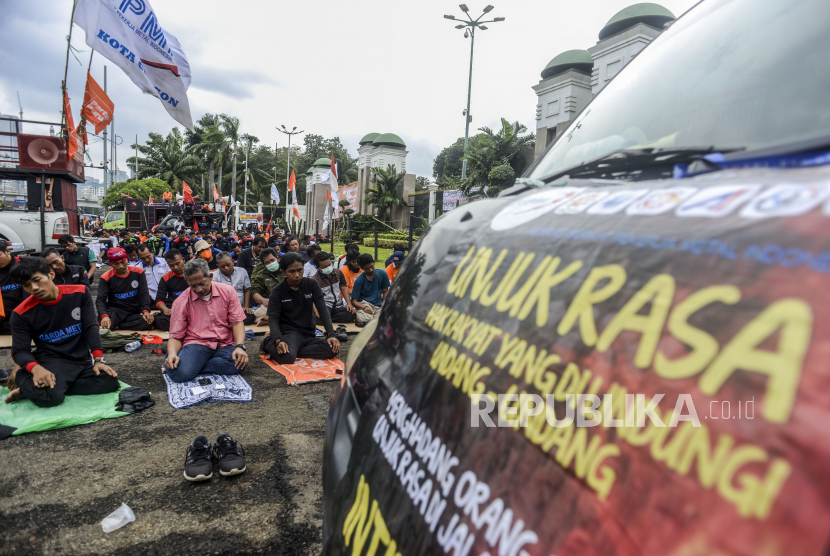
43, 152
60, 194
134, 204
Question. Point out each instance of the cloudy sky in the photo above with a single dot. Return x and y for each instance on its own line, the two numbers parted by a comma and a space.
331, 67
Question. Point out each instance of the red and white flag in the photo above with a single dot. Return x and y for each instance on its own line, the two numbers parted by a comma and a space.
333, 179
188, 193
292, 187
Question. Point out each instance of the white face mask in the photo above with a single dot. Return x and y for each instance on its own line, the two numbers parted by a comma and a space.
328, 270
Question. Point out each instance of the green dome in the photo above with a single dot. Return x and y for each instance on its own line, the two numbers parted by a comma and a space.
654, 15
572, 59
309, 172
322, 163
389, 140
368, 138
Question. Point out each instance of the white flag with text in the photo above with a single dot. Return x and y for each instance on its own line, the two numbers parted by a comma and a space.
128, 33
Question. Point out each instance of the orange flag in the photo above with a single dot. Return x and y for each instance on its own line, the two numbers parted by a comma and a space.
215, 193
188, 193
98, 107
292, 181
72, 147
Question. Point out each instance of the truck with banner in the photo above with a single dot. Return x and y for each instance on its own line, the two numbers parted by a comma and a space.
625, 353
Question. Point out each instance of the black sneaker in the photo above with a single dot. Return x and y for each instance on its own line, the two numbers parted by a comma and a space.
229, 454
198, 466
341, 336
4, 376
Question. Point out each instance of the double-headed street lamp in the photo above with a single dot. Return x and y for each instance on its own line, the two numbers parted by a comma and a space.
472, 24
288, 169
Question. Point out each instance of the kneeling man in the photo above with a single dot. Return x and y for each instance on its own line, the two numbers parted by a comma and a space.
123, 298
61, 321
291, 319
207, 334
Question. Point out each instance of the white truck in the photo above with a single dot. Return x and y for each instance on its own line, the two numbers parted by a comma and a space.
23, 229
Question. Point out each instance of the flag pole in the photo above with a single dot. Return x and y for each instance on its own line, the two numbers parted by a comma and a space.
66, 64
89, 67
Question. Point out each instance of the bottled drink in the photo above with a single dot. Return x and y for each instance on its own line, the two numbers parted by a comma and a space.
132, 346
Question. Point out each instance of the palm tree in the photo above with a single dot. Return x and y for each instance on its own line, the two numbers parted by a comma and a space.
495, 159
166, 158
211, 150
230, 128
383, 196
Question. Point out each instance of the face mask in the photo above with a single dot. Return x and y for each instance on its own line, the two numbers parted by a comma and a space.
206, 255
328, 270
273, 267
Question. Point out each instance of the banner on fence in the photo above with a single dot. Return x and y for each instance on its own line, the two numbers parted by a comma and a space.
251, 217
452, 198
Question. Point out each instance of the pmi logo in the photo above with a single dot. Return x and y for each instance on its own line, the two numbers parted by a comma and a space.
151, 25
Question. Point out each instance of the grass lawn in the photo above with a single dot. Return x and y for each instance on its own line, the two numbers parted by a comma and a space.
340, 248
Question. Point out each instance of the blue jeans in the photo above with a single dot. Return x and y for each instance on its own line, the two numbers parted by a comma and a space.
195, 360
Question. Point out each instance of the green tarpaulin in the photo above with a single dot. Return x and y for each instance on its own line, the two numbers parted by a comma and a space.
25, 416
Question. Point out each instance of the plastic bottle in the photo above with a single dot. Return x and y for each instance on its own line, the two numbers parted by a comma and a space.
132, 346
117, 519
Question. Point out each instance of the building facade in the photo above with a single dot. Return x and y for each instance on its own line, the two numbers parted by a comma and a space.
571, 79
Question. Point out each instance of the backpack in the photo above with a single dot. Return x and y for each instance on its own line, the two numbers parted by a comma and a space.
113, 341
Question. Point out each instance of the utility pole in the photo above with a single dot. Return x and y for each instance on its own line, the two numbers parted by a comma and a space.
247, 154
288, 171
20, 105
113, 165
136, 156
472, 25
106, 187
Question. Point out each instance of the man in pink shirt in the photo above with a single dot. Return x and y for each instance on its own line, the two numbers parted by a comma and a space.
207, 334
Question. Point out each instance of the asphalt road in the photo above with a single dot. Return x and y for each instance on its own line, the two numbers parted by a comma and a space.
57, 486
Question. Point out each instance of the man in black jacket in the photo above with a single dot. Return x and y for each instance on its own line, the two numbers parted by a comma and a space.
291, 319
123, 298
61, 321
65, 274
12, 292
171, 286
248, 258
79, 256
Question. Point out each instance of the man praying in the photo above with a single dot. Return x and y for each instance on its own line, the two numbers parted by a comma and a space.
69, 357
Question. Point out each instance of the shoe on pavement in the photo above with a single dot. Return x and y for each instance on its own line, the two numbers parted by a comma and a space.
341, 336
198, 465
229, 454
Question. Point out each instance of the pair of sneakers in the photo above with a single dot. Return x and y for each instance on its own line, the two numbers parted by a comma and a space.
201, 454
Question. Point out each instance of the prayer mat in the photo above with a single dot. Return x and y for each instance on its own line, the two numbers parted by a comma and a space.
23, 416
222, 388
308, 370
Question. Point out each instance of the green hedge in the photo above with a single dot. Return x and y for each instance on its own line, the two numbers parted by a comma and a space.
369, 241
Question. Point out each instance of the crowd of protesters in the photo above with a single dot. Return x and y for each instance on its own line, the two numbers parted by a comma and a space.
202, 287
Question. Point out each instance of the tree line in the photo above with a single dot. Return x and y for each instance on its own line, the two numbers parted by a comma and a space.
216, 152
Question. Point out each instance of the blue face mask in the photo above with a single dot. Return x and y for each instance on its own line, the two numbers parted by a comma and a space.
328, 270
273, 267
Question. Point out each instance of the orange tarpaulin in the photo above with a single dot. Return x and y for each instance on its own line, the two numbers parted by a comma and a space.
98, 108
308, 370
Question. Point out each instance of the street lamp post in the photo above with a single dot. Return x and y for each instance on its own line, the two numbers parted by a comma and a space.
288, 170
472, 24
